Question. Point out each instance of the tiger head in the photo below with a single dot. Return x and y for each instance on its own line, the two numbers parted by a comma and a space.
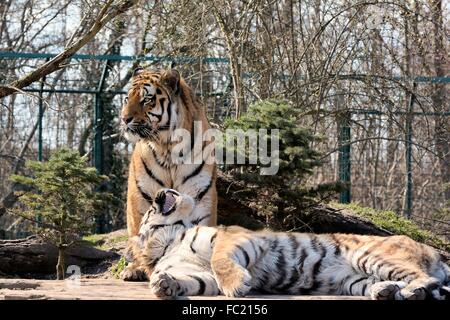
148, 110
170, 211
170, 206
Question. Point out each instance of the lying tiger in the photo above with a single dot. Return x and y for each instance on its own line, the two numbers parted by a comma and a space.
187, 259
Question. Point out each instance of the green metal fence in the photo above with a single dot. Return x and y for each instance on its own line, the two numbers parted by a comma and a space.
344, 142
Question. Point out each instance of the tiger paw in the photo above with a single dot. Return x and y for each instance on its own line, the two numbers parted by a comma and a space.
386, 290
238, 285
441, 293
416, 294
419, 289
133, 273
163, 285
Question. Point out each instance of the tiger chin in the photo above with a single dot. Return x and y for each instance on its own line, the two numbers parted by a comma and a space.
184, 258
158, 103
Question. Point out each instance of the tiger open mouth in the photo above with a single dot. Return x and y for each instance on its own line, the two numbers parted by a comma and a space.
166, 201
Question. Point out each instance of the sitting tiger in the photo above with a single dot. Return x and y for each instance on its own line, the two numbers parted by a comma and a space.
158, 104
187, 259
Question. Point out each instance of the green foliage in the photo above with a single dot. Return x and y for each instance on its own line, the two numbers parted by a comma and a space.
297, 158
281, 197
62, 201
118, 239
110, 241
118, 267
105, 241
396, 224
95, 239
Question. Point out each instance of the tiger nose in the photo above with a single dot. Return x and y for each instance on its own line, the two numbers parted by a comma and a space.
127, 120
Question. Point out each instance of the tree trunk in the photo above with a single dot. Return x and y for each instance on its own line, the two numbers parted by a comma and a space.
235, 64
60, 266
439, 97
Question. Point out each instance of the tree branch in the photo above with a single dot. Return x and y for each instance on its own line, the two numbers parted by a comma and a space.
107, 13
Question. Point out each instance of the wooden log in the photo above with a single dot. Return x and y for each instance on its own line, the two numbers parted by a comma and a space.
329, 220
33, 256
109, 289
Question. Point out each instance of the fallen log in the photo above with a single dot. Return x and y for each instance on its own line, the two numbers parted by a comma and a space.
31, 255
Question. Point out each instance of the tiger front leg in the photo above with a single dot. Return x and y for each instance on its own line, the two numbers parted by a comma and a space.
134, 272
232, 279
169, 285
164, 285
234, 254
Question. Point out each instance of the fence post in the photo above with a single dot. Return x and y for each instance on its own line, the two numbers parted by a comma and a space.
98, 121
344, 118
98, 139
408, 201
98, 135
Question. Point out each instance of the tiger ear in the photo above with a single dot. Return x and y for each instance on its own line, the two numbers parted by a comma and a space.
171, 80
137, 71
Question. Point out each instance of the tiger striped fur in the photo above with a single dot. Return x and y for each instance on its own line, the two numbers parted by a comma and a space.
159, 103
187, 259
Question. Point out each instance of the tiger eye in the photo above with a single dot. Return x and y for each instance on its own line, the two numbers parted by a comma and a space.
149, 100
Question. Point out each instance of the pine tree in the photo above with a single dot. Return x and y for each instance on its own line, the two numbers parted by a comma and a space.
281, 197
62, 200
296, 156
